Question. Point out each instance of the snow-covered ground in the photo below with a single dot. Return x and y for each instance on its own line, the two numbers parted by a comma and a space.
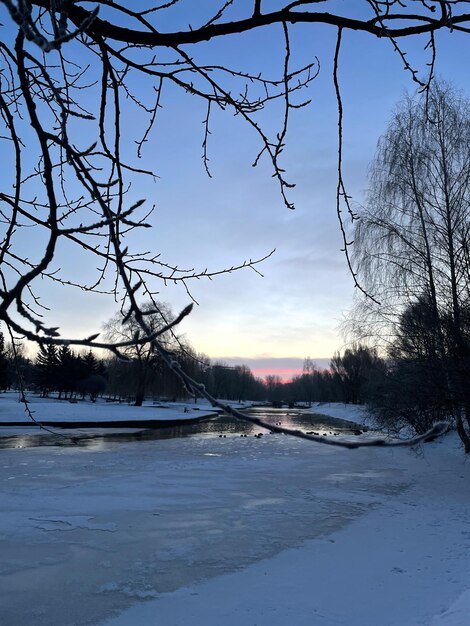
236, 531
53, 410
349, 412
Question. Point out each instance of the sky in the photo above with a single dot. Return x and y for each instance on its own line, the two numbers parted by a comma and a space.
295, 310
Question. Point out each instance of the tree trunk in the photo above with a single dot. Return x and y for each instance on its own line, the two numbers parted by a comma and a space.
462, 432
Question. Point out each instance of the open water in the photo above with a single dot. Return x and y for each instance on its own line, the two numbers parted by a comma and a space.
220, 426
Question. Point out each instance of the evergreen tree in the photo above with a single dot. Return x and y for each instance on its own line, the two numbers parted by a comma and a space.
47, 369
90, 363
92, 380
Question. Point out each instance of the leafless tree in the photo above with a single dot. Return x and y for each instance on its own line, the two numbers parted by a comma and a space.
354, 371
411, 242
67, 77
142, 356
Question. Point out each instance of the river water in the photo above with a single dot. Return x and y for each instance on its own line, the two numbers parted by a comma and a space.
221, 426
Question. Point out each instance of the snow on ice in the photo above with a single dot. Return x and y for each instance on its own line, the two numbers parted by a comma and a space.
235, 531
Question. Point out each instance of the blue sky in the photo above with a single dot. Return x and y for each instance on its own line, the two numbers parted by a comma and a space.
295, 310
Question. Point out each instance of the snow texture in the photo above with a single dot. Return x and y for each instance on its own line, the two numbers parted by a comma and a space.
235, 531
53, 410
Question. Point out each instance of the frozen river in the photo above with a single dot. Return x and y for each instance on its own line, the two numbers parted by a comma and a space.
219, 426
86, 532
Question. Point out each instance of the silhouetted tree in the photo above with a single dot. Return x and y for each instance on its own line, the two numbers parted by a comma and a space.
144, 362
46, 373
91, 376
274, 388
412, 242
354, 371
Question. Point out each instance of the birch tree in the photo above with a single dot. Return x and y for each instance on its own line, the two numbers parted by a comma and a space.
412, 240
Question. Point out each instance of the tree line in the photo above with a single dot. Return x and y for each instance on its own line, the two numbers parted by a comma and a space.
402, 387
65, 373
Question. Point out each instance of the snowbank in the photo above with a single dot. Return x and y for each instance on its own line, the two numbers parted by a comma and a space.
51, 410
356, 413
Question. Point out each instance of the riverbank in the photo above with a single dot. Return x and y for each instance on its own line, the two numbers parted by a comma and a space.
82, 423
102, 413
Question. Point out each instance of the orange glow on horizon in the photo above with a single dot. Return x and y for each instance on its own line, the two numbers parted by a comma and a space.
286, 374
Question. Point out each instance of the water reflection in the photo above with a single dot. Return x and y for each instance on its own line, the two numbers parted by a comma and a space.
220, 426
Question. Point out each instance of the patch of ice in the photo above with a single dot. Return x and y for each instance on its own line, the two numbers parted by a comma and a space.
72, 522
458, 614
